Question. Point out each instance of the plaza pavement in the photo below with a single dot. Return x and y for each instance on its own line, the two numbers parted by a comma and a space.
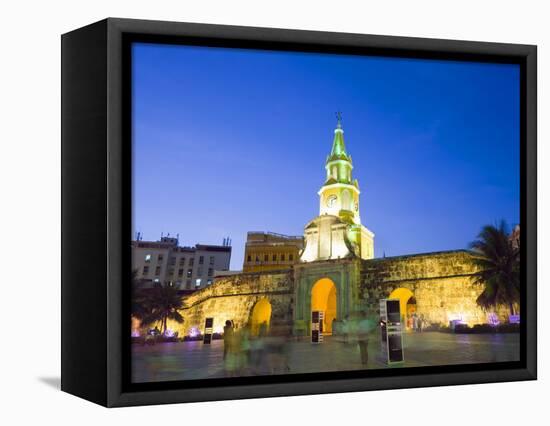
193, 360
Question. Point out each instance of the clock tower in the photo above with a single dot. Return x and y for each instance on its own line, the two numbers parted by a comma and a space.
337, 232
339, 196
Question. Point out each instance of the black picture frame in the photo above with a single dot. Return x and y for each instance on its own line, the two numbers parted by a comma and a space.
96, 210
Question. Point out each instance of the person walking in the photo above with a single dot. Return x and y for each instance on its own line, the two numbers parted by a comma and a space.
415, 322
365, 326
227, 338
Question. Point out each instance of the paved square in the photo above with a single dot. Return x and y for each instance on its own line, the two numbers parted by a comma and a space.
193, 360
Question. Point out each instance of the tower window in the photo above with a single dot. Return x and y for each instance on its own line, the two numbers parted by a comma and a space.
266, 258
282, 257
249, 258
274, 258
291, 257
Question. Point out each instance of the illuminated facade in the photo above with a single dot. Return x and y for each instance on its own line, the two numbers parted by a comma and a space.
337, 274
268, 251
337, 232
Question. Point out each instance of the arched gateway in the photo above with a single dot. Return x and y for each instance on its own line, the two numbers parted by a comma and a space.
329, 287
323, 300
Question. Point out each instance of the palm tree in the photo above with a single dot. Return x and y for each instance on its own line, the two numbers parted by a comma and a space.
497, 259
161, 304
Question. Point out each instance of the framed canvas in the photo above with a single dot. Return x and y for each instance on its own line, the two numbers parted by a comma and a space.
222, 239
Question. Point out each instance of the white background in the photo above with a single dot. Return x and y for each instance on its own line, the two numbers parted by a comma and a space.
30, 188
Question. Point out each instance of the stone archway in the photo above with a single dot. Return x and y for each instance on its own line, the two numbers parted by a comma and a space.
260, 317
323, 298
407, 303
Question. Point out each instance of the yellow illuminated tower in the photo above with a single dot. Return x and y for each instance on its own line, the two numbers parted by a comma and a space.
339, 196
337, 232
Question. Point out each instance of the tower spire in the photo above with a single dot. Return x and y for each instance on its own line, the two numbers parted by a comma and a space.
338, 151
339, 119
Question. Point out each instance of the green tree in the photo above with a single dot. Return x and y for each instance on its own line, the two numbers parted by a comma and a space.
159, 304
497, 258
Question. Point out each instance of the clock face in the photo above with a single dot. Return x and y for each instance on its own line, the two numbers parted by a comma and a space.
331, 201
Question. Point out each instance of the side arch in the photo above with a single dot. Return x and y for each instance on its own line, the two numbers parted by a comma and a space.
406, 300
260, 317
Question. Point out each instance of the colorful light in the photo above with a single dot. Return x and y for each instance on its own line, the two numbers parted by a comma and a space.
135, 333
514, 319
492, 319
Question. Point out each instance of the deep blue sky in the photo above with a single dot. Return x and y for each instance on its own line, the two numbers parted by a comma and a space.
228, 141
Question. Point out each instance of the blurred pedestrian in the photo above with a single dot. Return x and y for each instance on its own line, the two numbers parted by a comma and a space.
227, 338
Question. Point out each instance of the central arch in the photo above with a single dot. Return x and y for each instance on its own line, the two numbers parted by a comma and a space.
323, 298
260, 317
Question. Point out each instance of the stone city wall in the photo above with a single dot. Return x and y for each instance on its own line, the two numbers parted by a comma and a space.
442, 284
233, 298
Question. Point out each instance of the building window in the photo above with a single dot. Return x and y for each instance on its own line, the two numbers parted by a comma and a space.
282, 257
199, 271
189, 273
274, 258
157, 271
172, 260
157, 281
188, 284
257, 258
191, 261
211, 260
160, 258
170, 272
146, 270
209, 281
210, 272
201, 260
197, 282
182, 261
147, 258
266, 257
291, 257
249, 258
180, 272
